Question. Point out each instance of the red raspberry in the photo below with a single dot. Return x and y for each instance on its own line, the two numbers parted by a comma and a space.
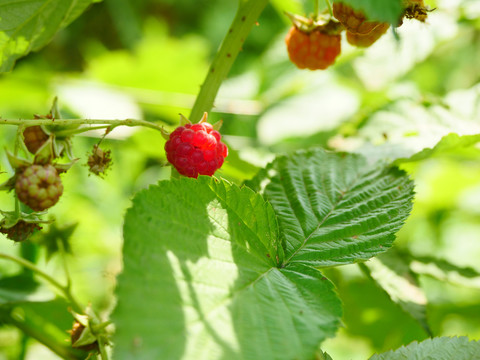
368, 39
315, 50
354, 21
196, 150
39, 187
20, 231
34, 138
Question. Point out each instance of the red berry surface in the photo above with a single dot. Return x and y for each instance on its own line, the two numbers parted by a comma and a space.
196, 150
353, 20
39, 187
314, 50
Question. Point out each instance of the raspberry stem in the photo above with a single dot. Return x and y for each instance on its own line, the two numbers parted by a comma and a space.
64, 289
246, 17
61, 349
63, 255
329, 6
102, 348
18, 137
65, 133
126, 122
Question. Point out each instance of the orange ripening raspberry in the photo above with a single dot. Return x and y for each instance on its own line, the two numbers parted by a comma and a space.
354, 21
315, 50
368, 39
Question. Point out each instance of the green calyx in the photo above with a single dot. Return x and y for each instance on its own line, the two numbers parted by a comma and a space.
184, 121
322, 22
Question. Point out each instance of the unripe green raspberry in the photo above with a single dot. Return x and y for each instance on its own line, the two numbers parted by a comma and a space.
39, 187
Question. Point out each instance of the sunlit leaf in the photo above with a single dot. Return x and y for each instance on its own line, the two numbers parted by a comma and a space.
334, 208
445, 271
202, 280
448, 143
29, 25
441, 348
391, 272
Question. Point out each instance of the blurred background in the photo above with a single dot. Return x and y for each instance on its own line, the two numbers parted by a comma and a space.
146, 59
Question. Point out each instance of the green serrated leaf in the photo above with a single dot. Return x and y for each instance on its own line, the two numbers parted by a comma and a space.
379, 10
28, 25
447, 144
441, 348
201, 280
335, 208
392, 273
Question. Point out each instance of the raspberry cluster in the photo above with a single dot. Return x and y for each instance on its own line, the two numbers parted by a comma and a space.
39, 186
196, 149
314, 43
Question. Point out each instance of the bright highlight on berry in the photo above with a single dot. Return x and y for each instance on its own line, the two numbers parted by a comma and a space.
196, 149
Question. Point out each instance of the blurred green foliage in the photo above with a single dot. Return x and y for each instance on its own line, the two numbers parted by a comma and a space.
147, 59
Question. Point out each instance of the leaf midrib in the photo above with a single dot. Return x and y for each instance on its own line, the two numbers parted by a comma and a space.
236, 293
325, 218
252, 231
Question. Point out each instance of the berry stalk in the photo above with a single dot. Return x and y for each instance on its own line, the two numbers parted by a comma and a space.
34, 122
315, 9
329, 6
62, 350
246, 17
65, 290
